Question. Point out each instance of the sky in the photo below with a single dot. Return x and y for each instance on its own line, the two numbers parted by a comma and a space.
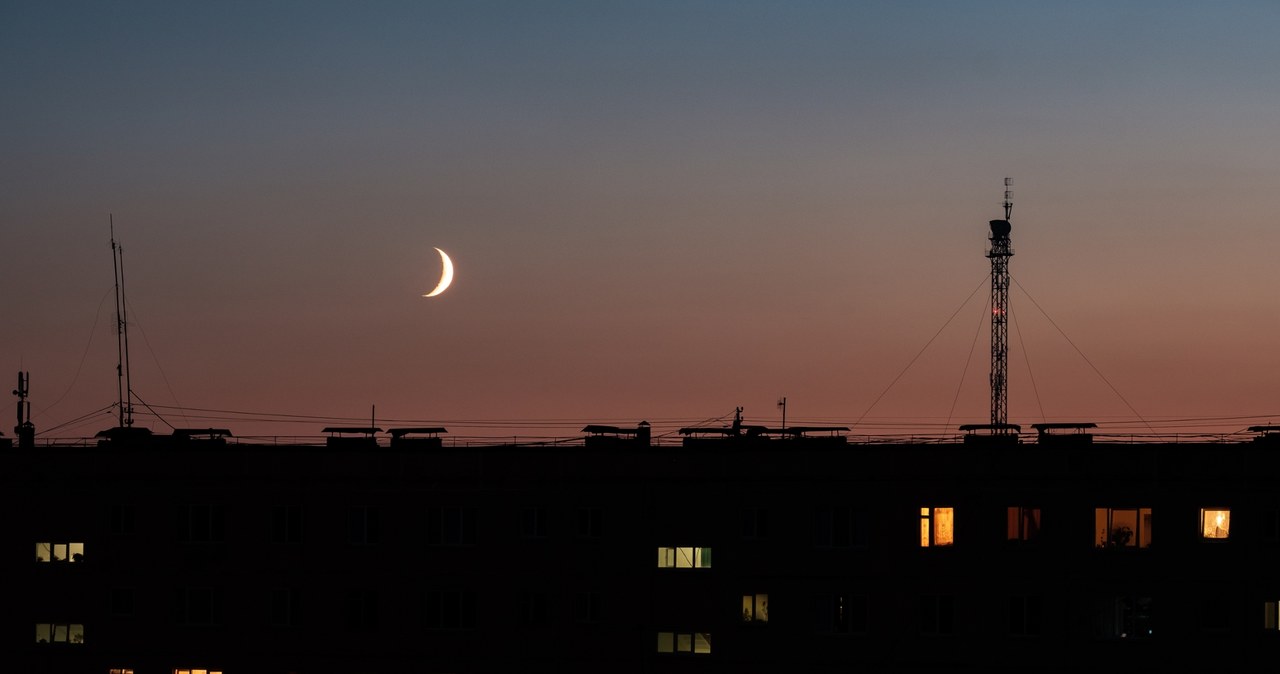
656, 211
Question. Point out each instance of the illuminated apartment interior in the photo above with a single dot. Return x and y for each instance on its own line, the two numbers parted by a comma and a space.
769, 553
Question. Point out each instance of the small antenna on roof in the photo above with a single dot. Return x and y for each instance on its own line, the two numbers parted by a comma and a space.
1008, 197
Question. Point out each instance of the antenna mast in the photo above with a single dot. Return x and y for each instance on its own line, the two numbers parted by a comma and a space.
123, 383
999, 253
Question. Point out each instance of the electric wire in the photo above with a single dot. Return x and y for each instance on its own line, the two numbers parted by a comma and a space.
1086, 358
972, 347
922, 350
76, 377
1026, 358
163, 376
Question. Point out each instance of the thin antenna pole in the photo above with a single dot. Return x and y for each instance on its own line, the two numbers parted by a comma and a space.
124, 322
115, 278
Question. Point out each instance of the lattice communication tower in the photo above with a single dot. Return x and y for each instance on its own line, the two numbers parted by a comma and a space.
999, 253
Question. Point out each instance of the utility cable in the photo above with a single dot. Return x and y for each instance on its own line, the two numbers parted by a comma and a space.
972, 347
1086, 358
76, 377
156, 360
922, 350
1026, 358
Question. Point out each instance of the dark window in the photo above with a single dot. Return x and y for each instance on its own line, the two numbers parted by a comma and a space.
535, 608
122, 601
361, 609
586, 607
590, 522
197, 606
841, 614
286, 524
449, 610
1214, 615
1125, 617
533, 522
937, 614
1025, 614
840, 527
201, 523
120, 519
286, 607
451, 525
755, 523
362, 525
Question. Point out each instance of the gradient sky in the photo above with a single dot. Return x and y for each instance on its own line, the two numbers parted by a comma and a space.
657, 210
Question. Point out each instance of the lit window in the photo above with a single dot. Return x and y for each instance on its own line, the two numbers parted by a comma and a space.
1125, 617
1215, 523
755, 608
684, 558
1024, 523
937, 527
59, 633
116, 670
1271, 615
696, 643
59, 552
1123, 527
197, 671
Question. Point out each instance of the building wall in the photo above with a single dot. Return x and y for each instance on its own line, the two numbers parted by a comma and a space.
545, 558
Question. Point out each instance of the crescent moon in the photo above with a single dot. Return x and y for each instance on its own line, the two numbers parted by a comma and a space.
446, 274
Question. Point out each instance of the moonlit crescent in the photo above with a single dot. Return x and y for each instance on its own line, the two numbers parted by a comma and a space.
446, 274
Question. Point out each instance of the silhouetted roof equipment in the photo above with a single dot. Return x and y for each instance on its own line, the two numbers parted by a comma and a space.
401, 432
798, 431
599, 429
707, 430
404, 437
601, 434
1045, 436
994, 434
207, 433
341, 436
124, 434
202, 436
991, 427
1064, 426
1267, 434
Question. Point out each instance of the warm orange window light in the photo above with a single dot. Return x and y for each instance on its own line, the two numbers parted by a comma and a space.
1215, 522
1024, 523
937, 527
